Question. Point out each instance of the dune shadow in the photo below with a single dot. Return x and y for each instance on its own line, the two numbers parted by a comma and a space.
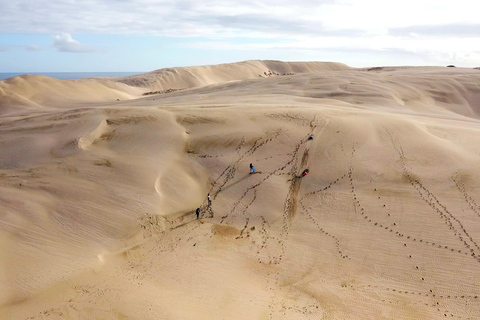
236, 182
183, 224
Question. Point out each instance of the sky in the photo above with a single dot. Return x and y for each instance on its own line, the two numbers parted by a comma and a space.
145, 35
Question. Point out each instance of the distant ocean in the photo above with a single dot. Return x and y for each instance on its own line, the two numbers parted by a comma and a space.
70, 75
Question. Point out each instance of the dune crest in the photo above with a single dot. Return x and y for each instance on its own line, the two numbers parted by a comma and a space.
191, 77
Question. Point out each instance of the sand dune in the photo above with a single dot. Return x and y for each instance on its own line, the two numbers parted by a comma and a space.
98, 196
190, 77
35, 91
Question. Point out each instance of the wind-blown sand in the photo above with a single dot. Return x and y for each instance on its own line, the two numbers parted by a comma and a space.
99, 185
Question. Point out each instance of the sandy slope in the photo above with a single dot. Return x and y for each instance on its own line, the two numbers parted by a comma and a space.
33, 92
98, 196
190, 77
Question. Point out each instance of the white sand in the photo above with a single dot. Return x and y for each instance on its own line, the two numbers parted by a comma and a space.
99, 184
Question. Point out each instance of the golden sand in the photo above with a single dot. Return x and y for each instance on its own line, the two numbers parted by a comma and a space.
99, 182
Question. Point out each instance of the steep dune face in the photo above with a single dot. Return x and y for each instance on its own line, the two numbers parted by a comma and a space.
56, 218
97, 202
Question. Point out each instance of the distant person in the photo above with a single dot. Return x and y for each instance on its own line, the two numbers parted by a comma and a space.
209, 199
310, 137
252, 169
198, 213
305, 172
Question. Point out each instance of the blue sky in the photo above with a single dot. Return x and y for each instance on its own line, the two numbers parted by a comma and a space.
144, 35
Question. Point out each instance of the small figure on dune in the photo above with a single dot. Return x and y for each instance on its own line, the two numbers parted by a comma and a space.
310, 137
209, 199
197, 212
305, 172
252, 169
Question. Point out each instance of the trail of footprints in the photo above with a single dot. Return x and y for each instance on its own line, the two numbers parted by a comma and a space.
445, 214
433, 202
288, 204
431, 292
287, 215
310, 216
291, 202
287, 207
473, 205
438, 298
263, 246
256, 185
391, 229
320, 228
229, 172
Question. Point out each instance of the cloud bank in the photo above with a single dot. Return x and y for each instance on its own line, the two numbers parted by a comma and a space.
248, 17
429, 27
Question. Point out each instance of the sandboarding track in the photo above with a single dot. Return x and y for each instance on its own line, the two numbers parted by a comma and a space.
291, 200
335, 239
290, 203
277, 306
278, 171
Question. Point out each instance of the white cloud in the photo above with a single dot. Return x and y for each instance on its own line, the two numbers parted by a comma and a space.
197, 18
65, 43
431, 51
437, 26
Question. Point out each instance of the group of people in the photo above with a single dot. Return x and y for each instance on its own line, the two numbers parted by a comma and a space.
252, 171
209, 203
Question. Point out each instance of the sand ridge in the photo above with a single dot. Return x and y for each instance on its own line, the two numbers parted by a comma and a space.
98, 198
